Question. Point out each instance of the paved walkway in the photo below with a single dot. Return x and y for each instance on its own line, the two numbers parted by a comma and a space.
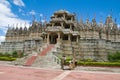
98, 69
24, 73
62, 75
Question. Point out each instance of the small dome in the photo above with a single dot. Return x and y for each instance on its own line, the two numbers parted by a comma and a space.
62, 11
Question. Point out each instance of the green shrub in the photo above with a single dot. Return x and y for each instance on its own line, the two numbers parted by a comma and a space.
68, 59
87, 60
114, 57
1, 54
14, 54
7, 54
7, 58
107, 64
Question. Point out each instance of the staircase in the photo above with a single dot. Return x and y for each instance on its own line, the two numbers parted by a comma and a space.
46, 50
31, 60
21, 61
46, 60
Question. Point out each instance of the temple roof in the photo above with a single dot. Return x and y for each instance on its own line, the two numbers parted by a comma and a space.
61, 11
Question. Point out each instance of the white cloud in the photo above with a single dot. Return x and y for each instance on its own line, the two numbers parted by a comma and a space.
42, 20
2, 38
5, 2
118, 25
8, 17
19, 10
18, 3
41, 15
5, 9
3, 29
32, 12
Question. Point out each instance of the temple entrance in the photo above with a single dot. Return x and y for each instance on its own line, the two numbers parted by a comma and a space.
53, 38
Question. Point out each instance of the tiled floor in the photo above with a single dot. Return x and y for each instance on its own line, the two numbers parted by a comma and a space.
25, 73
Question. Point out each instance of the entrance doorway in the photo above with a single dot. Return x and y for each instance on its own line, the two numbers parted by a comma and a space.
53, 38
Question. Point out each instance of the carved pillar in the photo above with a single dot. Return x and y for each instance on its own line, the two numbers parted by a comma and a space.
48, 35
53, 24
58, 35
64, 16
61, 24
58, 39
70, 26
77, 39
69, 37
55, 16
71, 18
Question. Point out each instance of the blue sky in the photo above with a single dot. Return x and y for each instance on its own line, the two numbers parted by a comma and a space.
19, 12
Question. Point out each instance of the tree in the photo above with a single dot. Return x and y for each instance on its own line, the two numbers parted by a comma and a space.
114, 57
14, 54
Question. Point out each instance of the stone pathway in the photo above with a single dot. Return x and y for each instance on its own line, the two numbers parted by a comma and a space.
8, 72
96, 69
61, 76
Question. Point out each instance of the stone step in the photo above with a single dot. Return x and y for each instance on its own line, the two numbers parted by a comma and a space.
46, 50
46, 62
30, 61
43, 60
21, 61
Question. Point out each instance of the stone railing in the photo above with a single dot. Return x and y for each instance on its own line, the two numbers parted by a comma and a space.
69, 21
75, 32
66, 31
54, 28
57, 19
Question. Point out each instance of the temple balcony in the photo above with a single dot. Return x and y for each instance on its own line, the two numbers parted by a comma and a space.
66, 31
57, 19
69, 21
34, 38
75, 32
54, 28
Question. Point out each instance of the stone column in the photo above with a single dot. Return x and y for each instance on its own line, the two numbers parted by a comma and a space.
53, 25
58, 39
77, 39
71, 18
64, 16
69, 37
70, 26
48, 35
61, 24
55, 16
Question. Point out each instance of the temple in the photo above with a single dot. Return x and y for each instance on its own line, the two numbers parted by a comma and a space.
87, 40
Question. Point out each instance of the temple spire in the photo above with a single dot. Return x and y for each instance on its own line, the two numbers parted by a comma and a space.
33, 16
25, 24
111, 11
41, 18
94, 16
81, 20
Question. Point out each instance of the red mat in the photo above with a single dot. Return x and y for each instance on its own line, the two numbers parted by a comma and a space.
30, 61
46, 50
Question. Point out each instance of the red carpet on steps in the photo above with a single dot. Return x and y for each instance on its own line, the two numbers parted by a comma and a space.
30, 61
46, 50
43, 53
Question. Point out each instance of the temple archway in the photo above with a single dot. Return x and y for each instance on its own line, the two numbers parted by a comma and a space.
53, 38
